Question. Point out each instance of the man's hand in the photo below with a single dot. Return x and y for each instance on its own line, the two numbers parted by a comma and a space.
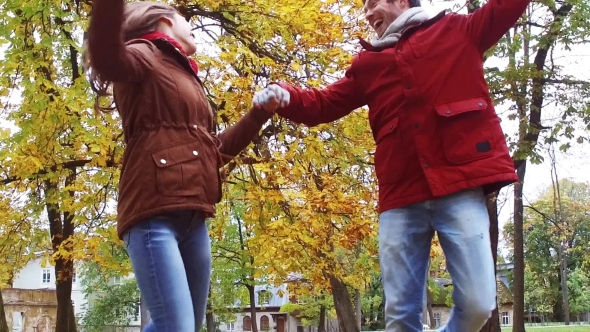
271, 98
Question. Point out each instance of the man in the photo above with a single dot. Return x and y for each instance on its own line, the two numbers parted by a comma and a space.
440, 147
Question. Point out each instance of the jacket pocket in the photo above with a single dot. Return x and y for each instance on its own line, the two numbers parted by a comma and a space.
388, 161
179, 170
465, 130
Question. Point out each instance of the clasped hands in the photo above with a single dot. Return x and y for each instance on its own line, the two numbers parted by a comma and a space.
271, 98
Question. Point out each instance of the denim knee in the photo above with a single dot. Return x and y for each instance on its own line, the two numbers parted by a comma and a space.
478, 308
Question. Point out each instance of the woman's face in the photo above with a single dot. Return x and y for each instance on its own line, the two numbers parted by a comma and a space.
181, 30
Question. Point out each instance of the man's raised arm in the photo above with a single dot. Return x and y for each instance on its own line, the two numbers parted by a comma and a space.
487, 25
315, 106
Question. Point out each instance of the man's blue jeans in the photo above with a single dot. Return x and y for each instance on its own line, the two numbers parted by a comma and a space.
405, 236
171, 258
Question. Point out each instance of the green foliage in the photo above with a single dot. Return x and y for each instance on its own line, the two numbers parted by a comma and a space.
545, 229
112, 299
308, 309
579, 291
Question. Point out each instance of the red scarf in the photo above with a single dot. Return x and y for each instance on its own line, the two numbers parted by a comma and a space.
159, 35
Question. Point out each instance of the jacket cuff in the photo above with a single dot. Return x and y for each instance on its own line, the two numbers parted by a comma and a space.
259, 115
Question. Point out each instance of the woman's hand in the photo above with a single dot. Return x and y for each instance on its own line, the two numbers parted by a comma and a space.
271, 98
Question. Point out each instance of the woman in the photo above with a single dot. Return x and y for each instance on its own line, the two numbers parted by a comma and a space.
170, 179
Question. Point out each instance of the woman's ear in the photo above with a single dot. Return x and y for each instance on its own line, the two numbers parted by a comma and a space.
167, 21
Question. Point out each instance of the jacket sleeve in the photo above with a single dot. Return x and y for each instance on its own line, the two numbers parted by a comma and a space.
238, 137
312, 107
109, 57
487, 25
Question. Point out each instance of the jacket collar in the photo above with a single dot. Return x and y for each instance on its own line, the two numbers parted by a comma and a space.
367, 46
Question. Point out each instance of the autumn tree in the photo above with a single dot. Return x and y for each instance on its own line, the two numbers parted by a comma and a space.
293, 182
546, 237
530, 78
63, 158
19, 240
57, 157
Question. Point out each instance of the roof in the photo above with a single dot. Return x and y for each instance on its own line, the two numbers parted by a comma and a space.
277, 295
442, 296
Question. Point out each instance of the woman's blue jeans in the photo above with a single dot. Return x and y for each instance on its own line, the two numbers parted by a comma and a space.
171, 258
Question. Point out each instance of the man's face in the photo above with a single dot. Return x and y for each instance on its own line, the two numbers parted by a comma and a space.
381, 13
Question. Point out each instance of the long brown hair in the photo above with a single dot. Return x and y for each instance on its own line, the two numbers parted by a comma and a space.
140, 18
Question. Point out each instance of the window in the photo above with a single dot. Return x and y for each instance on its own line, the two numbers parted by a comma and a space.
264, 324
74, 278
247, 323
437, 319
264, 297
116, 280
17, 321
229, 326
137, 309
46, 278
505, 318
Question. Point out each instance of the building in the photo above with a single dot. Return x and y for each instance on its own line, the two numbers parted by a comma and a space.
36, 276
269, 300
41, 279
441, 310
30, 310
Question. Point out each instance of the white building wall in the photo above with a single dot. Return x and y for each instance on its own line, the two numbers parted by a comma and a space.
31, 277
291, 322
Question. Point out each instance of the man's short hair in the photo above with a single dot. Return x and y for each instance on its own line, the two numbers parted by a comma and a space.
413, 3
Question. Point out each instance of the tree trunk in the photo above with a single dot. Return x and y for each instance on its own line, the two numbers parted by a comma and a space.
493, 324
518, 287
3, 322
343, 306
72, 318
564, 288
359, 313
558, 209
65, 322
209, 318
144, 313
429, 308
322, 323
62, 229
252, 307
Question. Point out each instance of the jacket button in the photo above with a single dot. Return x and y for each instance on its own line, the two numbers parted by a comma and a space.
398, 50
448, 111
480, 104
195, 153
195, 127
409, 86
163, 161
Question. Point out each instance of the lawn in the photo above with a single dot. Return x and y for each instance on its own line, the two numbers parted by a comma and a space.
554, 328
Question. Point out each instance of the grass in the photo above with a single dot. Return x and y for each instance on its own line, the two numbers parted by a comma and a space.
562, 328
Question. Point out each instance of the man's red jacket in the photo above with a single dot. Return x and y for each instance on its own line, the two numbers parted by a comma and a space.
430, 110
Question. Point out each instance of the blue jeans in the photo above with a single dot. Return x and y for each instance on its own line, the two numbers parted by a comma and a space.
171, 259
405, 236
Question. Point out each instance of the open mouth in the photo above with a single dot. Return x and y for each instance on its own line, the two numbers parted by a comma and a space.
377, 24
